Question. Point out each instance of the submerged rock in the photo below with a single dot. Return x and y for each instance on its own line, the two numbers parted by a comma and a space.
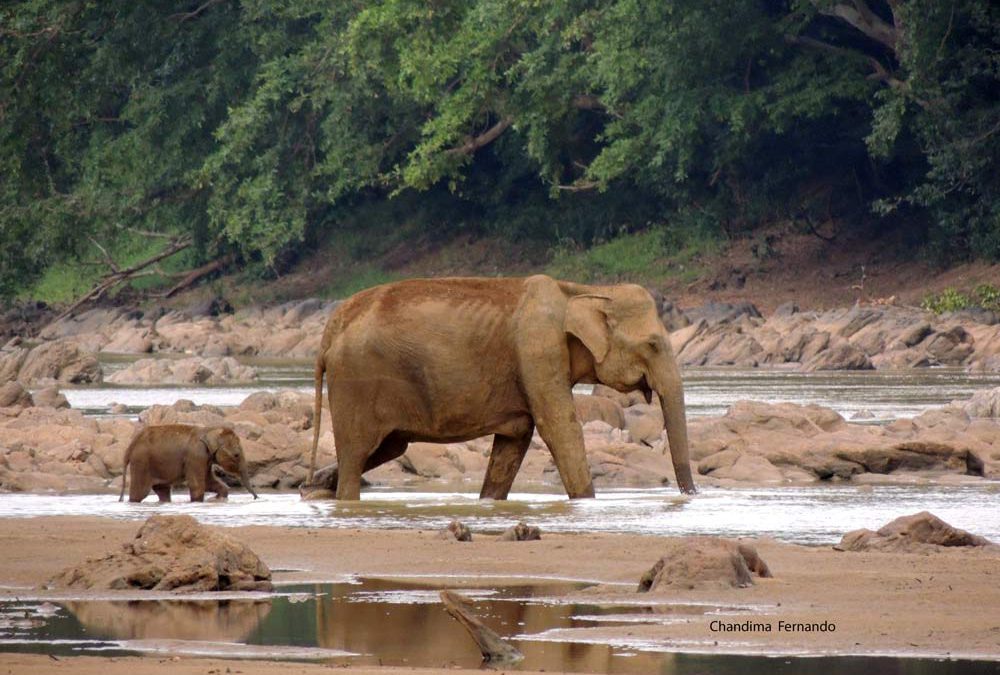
172, 553
920, 533
704, 562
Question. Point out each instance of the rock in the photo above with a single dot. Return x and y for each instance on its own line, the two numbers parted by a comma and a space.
863, 415
841, 356
50, 397
722, 312
739, 465
982, 404
172, 553
624, 400
15, 394
456, 530
920, 533
644, 423
11, 360
590, 408
704, 562
915, 334
949, 348
786, 309
521, 532
63, 361
195, 370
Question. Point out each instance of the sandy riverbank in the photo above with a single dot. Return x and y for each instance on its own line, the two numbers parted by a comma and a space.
943, 604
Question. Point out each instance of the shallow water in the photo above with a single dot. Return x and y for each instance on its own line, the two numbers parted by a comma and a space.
708, 391
396, 623
806, 515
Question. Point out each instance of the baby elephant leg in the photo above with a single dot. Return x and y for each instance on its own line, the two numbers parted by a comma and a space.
163, 492
213, 484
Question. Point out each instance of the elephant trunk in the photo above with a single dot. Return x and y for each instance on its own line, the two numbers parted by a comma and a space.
245, 477
667, 384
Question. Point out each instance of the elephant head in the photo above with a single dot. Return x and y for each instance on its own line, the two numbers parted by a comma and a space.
224, 446
616, 338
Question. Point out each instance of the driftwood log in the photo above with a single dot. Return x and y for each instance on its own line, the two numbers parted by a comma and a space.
492, 646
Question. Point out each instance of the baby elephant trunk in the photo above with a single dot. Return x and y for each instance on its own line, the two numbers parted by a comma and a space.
245, 478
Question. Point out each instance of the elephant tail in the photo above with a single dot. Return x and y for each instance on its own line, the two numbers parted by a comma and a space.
317, 413
128, 458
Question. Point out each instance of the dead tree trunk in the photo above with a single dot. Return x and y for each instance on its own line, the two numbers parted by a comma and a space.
492, 646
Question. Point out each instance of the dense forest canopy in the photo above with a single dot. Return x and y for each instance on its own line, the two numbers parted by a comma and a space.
239, 128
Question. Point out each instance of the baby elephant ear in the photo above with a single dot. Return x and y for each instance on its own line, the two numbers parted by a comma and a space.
587, 320
211, 438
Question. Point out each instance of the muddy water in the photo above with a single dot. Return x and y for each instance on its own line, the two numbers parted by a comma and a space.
396, 623
709, 391
817, 514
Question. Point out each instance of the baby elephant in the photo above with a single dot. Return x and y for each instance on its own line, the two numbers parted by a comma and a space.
165, 454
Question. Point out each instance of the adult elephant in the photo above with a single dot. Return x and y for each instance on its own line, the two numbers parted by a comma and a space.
449, 360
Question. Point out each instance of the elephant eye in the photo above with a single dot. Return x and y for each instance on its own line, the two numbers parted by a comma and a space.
654, 345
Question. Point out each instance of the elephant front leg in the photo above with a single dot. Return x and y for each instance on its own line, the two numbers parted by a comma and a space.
213, 484
505, 461
196, 482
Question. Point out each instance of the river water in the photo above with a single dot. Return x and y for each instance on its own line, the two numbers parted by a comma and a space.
708, 391
815, 514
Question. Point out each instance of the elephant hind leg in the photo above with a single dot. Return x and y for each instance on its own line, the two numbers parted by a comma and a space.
354, 459
139, 486
505, 461
163, 492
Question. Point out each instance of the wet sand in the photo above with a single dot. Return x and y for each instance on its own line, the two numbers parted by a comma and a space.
944, 604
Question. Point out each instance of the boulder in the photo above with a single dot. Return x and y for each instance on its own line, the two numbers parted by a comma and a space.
63, 361
982, 404
624, 400
591, 408
704, 562
15, 394
456, 531
195, 370
841, 355
172, 553
50, 397
920, 533
644, 423
521, 532
722, 312
11, 360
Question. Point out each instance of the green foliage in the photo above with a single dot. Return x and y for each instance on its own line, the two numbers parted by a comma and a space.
948, 300
984, 296
255, 126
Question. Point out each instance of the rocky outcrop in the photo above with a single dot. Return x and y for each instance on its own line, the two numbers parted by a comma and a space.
882, 337
64, 361
15, 394
172, 553
920, 533
764, 442
704, 562
195, 370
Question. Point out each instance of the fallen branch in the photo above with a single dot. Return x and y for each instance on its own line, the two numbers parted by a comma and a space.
120, 276
492, 646
200, 272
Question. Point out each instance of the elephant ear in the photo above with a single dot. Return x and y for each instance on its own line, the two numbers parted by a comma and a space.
587, 320
212, 439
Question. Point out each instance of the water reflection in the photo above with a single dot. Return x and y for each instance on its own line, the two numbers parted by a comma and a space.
392, 623
221, 621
